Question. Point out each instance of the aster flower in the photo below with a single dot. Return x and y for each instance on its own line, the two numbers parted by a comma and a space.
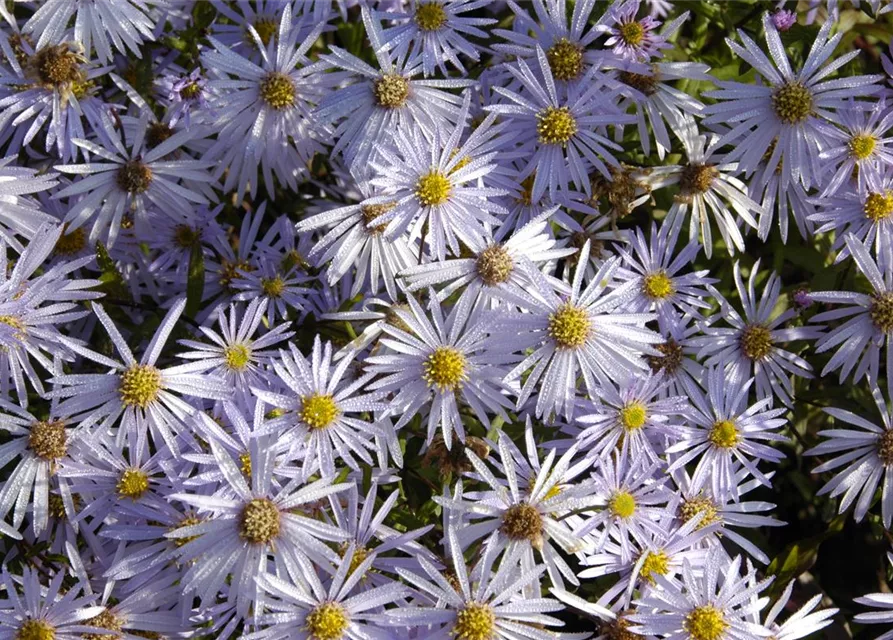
282, 286
432, 181
250, 529
800, 624
436, 32
129, 180
629, 38
706, 184
714, 605
862, 146
144, 396
750, 346
559, 132
582, 332
321, 420
517, 520
264, 110
869, 320
20, 215
864, 457
320, 612
485, 604
882, 603
100, 24
792, 110
437, 363
32, 610
236, 354
723, 430
187, 97
380, 102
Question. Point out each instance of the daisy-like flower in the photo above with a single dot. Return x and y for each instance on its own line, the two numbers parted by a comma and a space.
431, 182
354, 243
55, 84
30, 610
862, 146
318, 612
495, 264
20, 215
437, 363
869, 320
251, 530
236, 354
583, 333
864, 457
750, 346
143, 395
674, 359
318, 420
382, 101
522, 519
559, 132
435, 31
485, 604
723, 430
717, 604
99, 24
39, 445
130, 180
187, 97
630, 38
655, 269
706, 185
264, 110
277, 281
882, 603
793, 111
803, 622
633, 419
865, 212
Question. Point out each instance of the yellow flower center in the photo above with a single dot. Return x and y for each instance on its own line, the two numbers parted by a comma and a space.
188, 521
879, 206
522, 522
565, 59
272, 287
632, 33
494, 265
885, 447
56, 66
105, 620
792, 103
445, 368
372, 211
259, 521
622, 505
278, 90
134, 177
633, 416
12, 321
881, 312
360, 553
266, 28
433, 189
245, 464
327, 621
430, 16
569, 326
71, 242
190, 91
670, 358
698, 505
705, 623
656, 563
724, 434
48, 440
36, 630
756, 342
133, 483
474, 621
140, 385
390, 91
555, 125
237, 356
862, 146
697, 178
318, 411
658, 286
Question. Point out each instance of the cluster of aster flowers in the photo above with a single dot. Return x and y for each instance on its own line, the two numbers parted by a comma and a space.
438, 319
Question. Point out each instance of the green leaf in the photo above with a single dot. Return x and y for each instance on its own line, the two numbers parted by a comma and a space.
195, 283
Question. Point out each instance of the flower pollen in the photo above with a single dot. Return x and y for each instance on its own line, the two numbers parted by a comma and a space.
318, 411
133, 483
48, 440
792, 102
433, 189
278, 90
699, 505
881, 311
390, 91
656, 563
658, 286
327, 621
32, 629
569, 326
555, 125
134, 177
724, 434
105, 620
522, 522
862, 146
633, 416
140, 385
705, 622
885, 447
879, 206
445, 368
430, 16
632, 33
565, 59
755, 342
622, 505
475, 621
237, 357
494, 265
259, 521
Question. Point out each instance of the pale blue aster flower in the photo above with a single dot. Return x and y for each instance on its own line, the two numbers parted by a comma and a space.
882, 605
804, 622
630, 38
